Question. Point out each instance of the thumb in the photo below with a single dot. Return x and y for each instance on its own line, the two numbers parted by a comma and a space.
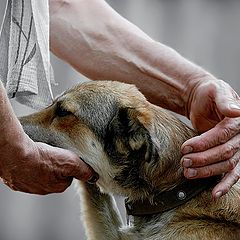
67, 163
228, 104
85, 173
78, 169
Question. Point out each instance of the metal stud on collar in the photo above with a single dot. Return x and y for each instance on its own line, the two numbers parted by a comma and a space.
181, 195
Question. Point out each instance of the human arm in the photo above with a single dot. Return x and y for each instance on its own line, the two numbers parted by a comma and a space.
101, 44
34, 167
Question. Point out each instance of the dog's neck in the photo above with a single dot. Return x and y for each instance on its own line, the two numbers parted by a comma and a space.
164, 171
169, 188
168, 172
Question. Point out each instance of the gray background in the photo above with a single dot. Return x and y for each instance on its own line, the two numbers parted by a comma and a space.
205, 31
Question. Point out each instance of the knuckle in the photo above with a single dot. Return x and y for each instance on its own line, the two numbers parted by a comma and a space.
209, 172
235, 178
231, 164
10, 184
234, 161
233, 125
229, 127
202, 144
227, 187
203, 161
228, 151
225, 134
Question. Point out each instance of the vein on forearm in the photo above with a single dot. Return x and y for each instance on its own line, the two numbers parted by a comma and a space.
101, 44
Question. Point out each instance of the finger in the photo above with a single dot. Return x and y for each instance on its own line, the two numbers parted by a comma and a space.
225, 185
210, 170
227, 182
52, 186
213, 155
84, 173
10, 185
220, 134
61, 186
77, 168
68, 164
22, 187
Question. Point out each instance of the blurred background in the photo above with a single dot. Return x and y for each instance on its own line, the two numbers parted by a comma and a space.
205, 31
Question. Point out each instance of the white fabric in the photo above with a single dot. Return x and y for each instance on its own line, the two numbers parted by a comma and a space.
24, 49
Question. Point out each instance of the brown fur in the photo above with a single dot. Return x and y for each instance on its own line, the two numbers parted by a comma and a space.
134, 146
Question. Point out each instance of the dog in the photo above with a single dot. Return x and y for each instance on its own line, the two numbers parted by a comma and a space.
134, 146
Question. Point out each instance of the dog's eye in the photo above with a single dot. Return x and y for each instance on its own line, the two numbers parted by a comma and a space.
61, 112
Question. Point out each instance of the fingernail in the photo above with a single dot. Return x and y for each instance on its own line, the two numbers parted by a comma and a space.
191, 173
187, 149
93, 179
234, 106
186, 162
233, 162
218, 194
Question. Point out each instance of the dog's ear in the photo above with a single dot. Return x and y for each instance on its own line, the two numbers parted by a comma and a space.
128, 135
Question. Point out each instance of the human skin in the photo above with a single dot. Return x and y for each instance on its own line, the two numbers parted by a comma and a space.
34, 167
99, 43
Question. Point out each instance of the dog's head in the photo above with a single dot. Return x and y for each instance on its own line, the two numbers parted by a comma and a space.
129, 142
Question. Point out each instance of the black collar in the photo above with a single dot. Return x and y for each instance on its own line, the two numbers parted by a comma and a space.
168, 200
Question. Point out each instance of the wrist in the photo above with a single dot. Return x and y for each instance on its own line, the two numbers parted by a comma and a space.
12, 135
192, 88
10, 150
55, 5
14, 150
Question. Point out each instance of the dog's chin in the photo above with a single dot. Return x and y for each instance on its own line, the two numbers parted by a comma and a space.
96, 174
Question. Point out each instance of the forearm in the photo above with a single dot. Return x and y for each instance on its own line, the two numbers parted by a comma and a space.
101, 44
10, 128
